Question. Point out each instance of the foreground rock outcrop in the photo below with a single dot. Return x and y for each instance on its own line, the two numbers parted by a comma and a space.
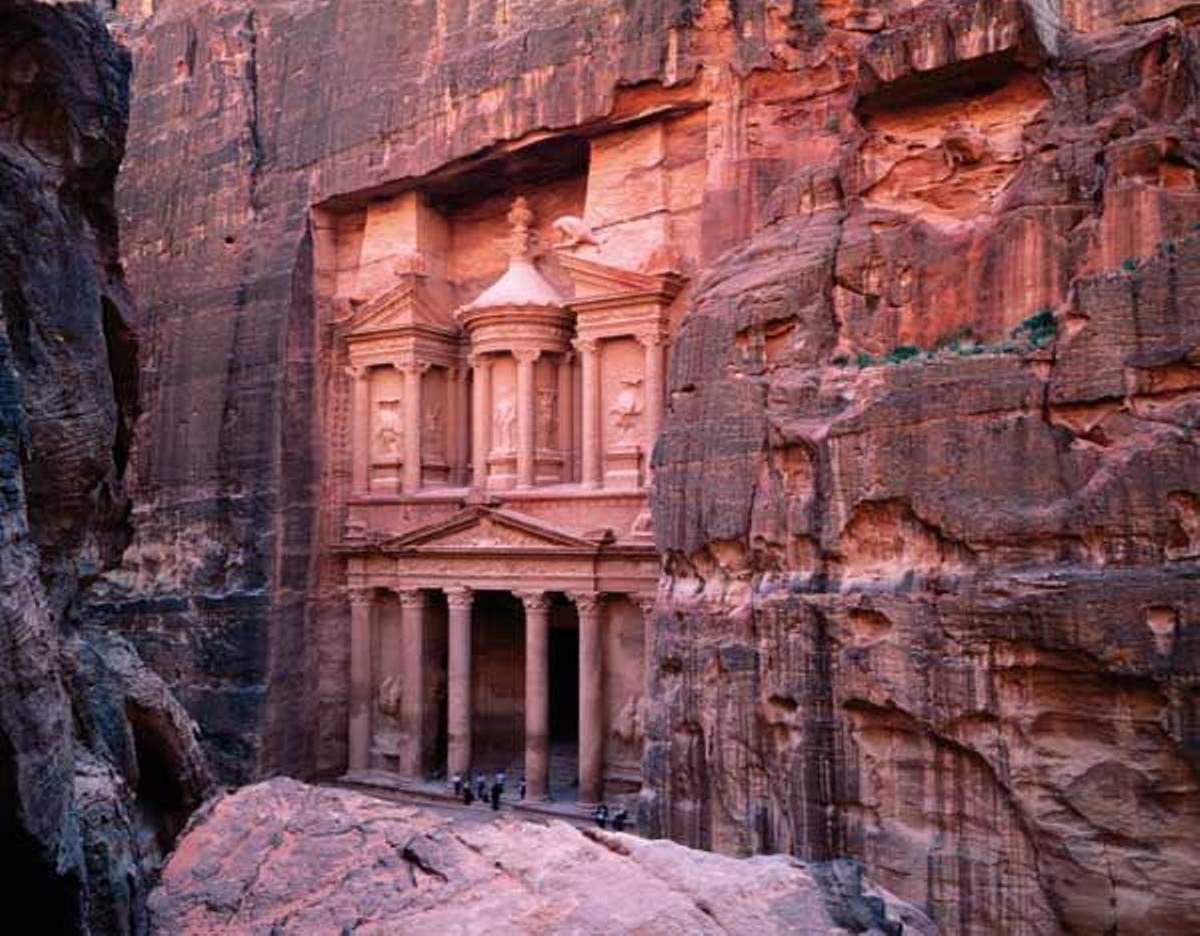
99, 766
281, 857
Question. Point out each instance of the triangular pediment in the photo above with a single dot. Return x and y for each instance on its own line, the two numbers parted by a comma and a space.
488, 528
593, 279
410, 302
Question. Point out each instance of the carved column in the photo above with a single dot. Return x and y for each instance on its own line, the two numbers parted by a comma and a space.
653, 345
412, 426
591, 700
590, 438
647, 604
526, 417
360, 438
537, 694
566, 416
458, 715
412, 698
481, 419
361, 601
462, 426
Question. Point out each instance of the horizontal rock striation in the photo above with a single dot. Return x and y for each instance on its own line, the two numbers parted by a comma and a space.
927, 494
928, 488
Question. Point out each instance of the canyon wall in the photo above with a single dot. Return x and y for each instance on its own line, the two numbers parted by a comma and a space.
98, 764
927, 495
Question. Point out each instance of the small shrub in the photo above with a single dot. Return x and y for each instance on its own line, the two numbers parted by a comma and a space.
1130, 265
863, 360
1039, 330
902, 353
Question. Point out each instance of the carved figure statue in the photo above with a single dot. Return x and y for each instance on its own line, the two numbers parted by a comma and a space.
547, 416
573, 231
506, 417
389, 429
431, 430
388, 696
626, 409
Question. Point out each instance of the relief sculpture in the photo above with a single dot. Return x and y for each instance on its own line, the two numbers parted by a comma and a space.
547, 417
506, 418
389, 429
431, 431
625, 411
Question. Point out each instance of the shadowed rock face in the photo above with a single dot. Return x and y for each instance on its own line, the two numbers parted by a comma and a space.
288, 858
927, 495
94, 753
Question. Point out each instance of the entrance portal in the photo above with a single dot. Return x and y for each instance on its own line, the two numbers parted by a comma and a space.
497, 681
564, 701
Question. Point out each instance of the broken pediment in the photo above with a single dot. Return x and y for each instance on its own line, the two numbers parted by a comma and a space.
593, 280
488, 528
413, 302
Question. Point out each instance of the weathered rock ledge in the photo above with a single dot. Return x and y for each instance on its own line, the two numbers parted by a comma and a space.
283, 857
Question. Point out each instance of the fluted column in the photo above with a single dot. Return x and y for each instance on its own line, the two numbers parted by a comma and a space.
537, 694
412, 697
361, 602
360, 439
481, 419
526, 417
412, 427
566, 416
590, 437
458, 715
591, 700
462, 426
653, 345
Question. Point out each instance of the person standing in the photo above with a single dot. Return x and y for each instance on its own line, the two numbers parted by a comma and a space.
457, 785
497, 789
480, 786
601, 816
522, 788
620, 817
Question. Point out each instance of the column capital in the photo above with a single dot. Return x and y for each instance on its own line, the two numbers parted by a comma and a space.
479, 359
413, 599
411, 366
534, 600
587, 602
361, 595
585, 345
526, 355
357, 371
650, 338
646, 603
459, 597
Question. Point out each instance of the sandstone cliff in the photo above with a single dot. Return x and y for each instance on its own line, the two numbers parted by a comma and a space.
282, 857
96, 759
927, 494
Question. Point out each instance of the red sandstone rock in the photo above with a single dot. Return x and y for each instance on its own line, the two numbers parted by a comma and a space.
287, 858
934, 612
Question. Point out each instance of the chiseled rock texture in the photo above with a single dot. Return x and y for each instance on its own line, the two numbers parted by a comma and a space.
282, 857
98, 764
930, 594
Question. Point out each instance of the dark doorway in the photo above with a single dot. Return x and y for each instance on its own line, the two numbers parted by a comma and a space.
497, 681
564, 685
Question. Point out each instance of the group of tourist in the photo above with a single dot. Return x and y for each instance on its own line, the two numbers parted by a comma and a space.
478, 790
604, 816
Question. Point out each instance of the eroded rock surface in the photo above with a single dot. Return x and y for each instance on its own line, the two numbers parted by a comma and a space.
89, 739
928, 493
282, 857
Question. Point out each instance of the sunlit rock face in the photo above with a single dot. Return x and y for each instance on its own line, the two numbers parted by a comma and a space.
926, 496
